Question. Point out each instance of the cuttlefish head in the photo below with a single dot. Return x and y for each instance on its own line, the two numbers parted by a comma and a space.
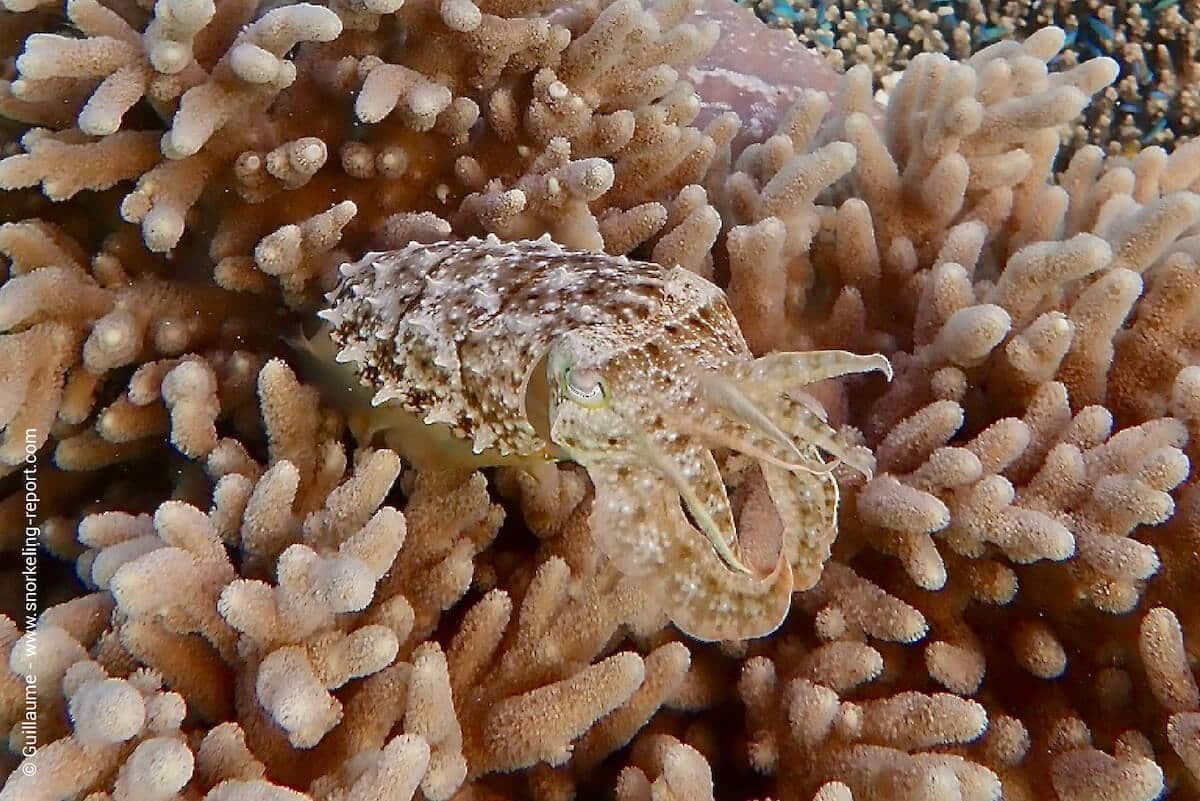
653, 413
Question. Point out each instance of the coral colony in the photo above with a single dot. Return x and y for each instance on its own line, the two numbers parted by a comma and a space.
1154, 101
490, 401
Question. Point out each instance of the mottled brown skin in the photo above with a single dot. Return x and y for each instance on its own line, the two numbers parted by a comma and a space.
488, 352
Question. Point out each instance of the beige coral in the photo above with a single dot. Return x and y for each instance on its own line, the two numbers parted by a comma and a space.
274, 609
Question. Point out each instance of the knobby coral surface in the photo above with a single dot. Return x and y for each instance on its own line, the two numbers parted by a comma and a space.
242, 596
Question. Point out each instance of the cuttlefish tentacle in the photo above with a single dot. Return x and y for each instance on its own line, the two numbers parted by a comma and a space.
724, 432
705, 599
726, 395
797, 418
770, 383
691, 469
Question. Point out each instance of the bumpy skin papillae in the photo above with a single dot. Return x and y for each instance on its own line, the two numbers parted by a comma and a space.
524, 350
453, 331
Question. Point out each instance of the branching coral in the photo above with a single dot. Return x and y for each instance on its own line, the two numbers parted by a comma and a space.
272, 604
1154, 102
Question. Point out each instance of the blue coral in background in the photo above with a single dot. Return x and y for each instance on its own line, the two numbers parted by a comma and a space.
1154, 102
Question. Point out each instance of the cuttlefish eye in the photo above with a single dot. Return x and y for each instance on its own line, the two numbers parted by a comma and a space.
585, 388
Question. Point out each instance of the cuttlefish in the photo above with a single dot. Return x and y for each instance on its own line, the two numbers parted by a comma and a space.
483, 352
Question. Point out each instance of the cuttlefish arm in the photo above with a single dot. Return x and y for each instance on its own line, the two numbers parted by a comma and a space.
785, 370
771, 383
807, 506
720, 431
805, 497
624, 521
742, 422
690, 468
637, 520
797, 418
749, 409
